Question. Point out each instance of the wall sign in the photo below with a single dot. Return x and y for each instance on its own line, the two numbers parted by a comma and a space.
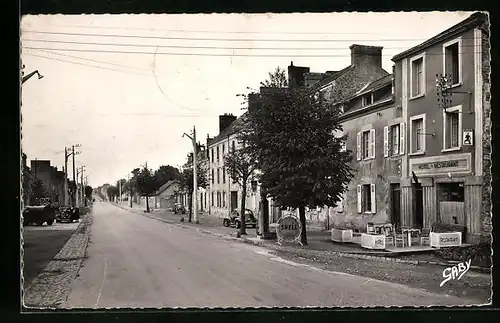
441, 164
289, 229
468, 137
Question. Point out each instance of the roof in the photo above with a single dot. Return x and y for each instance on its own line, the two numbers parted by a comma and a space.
375, 85
474, 20
231, 129
331, 77
164, 187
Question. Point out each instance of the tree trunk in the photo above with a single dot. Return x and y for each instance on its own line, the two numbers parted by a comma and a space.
243, 230
264, 225
190, 203
302, 217
147, 204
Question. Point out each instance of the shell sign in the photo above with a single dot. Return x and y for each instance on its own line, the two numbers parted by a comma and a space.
289, 229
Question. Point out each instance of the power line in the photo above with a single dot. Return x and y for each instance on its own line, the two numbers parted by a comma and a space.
221, 31
219, 39
204, 47
201, 54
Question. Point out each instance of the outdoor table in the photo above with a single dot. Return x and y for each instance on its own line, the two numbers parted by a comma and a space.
409, 231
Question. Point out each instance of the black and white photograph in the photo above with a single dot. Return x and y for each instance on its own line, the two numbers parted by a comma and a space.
256, 160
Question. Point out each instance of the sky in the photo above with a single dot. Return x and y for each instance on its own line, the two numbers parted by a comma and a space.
126, 87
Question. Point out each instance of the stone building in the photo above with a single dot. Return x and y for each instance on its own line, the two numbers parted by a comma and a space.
445, 171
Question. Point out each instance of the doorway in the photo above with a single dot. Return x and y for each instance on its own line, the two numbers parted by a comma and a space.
234, 200
418, 206
396, 204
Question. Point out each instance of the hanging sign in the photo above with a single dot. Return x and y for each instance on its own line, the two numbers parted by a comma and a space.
468, 137
289, 229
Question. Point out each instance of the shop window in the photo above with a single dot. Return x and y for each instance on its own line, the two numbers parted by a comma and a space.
451, 192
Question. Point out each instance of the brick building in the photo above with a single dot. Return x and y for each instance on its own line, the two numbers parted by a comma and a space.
446, 168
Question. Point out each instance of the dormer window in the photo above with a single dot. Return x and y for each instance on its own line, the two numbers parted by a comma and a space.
367, 99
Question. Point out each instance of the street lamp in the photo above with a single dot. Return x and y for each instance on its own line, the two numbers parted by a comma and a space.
27, 77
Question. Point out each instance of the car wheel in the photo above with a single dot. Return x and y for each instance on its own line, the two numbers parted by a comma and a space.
225, 223
49, 222
254, 226
238, 224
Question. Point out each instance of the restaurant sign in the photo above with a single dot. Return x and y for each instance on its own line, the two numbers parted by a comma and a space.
289, 229
450, 164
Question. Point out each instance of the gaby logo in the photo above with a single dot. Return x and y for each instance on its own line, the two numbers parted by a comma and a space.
455, 272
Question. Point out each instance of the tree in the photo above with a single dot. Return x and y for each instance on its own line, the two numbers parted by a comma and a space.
88, 191
185, 182
28, 180
121, 185
39, 191
302, 161
277, 79
146, 184
166, 173
112, 192
241, 163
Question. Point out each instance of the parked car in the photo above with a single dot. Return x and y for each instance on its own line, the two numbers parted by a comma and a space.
235, 220
179, 209
68, 214
38, 214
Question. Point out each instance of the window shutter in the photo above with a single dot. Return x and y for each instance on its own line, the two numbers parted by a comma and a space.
358, 146
386, 141
359, 198
402, 133
372, 143
373, 198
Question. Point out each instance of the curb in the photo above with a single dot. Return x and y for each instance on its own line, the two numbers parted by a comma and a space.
337, 253
51, 288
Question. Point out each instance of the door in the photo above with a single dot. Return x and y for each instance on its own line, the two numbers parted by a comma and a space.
234, 200
418, 219
395, 205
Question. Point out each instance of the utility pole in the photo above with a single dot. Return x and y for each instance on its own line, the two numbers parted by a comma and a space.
65, 176
120, 189
130, 189
80, 196
74, 174
195, 177
83, 187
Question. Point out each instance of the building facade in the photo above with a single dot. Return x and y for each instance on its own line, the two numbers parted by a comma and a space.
445, 172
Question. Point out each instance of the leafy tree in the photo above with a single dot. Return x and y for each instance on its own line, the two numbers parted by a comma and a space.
241, 163
165, 174
88, 191
277, 79
112, 192
28, 180
302, 161
146, 184
39, 191
185, 182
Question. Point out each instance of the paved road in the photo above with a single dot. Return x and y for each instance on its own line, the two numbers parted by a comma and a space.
135, 261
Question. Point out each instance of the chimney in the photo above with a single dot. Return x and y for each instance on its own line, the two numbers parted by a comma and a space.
225, 120
363, 55
296, 75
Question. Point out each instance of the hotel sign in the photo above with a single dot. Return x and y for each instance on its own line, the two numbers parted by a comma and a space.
441, 164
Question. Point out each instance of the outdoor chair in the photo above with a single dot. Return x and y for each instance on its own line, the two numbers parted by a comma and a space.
399, 238
425, 237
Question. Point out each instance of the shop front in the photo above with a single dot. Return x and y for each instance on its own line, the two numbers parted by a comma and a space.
443, 189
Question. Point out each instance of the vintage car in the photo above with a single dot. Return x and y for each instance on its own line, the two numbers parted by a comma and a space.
38, 214
235, 220
68, 214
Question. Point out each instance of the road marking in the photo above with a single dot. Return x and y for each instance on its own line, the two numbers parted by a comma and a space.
103, 279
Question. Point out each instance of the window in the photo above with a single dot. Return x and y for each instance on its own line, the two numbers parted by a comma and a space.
365, 144
218, 199
218, 175
417, 76
213, 203
234, 147
366, 198
213, 177
224, 175
223, 150
217, 153
417, 132
452, 192
382, 94
367, 99
452, 64
394, 140
212, 155
452, 125
223, 198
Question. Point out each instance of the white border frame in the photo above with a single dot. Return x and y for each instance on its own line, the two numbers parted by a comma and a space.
412, 118
447, 110
414, 58
460, 59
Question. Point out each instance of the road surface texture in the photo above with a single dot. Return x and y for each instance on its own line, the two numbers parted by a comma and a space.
41, 244
136, 262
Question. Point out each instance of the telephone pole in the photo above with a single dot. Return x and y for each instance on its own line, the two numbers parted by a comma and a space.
130, 189
195, 177
80, 196
67, 153
120, 190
